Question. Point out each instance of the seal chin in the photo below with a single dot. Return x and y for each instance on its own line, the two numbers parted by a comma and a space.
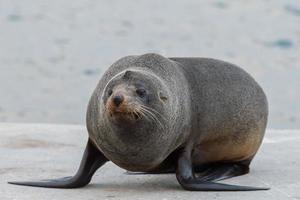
122, 117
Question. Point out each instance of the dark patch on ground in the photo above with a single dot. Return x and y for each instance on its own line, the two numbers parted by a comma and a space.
61, 41
56, 59
121, 33
293, 119
220, 4
14, 17
21, 113
281, 43
127, 24
293, 9
89, 72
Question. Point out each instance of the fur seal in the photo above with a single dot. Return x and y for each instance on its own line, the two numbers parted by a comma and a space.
154, 114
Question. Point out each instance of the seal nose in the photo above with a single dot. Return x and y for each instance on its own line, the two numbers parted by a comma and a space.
118, 99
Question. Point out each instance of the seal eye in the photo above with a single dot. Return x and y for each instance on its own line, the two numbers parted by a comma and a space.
141, 92
109, 92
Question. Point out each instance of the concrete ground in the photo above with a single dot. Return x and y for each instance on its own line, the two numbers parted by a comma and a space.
40, 151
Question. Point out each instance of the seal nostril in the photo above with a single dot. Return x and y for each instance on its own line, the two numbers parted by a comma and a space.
118, 100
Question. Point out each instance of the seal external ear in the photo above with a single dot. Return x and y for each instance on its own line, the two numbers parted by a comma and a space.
187, 179
91, 161
127, 74
162, 96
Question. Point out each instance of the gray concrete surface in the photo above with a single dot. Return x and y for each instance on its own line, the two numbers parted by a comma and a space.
40, 151
52, 53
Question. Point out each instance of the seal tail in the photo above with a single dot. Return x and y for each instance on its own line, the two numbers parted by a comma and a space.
91, 161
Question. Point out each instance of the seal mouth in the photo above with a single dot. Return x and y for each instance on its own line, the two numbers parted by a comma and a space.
125, 115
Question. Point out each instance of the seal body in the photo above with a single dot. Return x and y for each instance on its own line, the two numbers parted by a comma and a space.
155, 114
215, 107
143, 146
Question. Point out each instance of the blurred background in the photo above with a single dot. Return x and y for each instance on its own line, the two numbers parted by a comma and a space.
52, 53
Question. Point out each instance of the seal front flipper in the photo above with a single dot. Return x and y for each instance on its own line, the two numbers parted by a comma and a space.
187, 179
91, 161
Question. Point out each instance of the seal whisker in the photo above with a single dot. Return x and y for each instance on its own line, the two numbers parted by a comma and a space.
151, 109
144, 115
132, 115
136, 114
153, 116
150, 112
143, 110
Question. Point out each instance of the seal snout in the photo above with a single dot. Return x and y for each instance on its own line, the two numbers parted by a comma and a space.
120, 107
118, 99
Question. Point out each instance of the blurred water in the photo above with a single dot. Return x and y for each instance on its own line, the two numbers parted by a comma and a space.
52, 53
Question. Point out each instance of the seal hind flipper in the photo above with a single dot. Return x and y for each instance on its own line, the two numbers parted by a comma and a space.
91, 161
187, 179
222, 171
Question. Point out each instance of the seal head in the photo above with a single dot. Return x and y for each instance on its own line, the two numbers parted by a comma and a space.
135, 110
129, 100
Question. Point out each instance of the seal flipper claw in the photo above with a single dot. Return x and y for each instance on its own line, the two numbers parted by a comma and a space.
91, 161
188, 181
